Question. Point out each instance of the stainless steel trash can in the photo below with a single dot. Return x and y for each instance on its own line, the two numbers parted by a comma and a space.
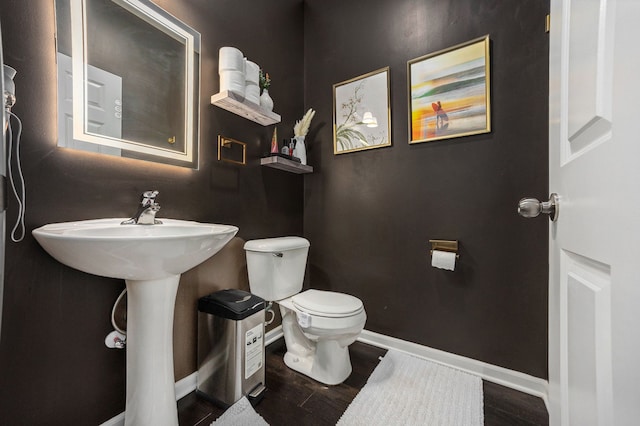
231, 347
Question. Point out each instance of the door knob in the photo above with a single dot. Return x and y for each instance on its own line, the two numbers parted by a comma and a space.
531, 207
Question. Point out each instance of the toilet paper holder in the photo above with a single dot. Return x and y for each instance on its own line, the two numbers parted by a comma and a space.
445, 245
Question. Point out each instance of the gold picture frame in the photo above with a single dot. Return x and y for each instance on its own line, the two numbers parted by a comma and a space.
362, 113
449, 92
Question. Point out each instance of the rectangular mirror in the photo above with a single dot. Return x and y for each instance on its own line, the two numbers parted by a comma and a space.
128, 81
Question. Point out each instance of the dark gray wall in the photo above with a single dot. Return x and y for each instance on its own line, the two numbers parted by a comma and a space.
369, 214
54, 367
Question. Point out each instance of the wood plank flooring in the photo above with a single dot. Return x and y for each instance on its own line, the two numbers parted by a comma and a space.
294, 399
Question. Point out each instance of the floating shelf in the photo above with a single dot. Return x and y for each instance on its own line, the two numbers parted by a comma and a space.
286, 165
236, 104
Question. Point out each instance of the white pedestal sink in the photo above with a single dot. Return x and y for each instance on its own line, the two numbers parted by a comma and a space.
150, 258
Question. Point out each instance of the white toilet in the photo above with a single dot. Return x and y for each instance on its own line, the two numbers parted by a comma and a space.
318, 326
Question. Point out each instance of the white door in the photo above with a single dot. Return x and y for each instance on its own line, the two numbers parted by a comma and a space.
104, 112
594, 284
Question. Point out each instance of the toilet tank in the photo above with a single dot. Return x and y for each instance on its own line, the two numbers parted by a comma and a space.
276, 266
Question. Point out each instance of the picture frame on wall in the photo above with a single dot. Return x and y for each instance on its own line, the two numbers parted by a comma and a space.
362, 113
449, 92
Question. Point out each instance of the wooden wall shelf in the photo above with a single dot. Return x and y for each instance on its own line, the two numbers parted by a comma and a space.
236, 104
286, 165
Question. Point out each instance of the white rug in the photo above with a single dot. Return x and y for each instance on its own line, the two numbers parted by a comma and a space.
405, 390
240, 414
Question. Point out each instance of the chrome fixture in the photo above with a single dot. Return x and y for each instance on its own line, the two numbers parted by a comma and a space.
531, 207
146, 214
9, 94
115, 340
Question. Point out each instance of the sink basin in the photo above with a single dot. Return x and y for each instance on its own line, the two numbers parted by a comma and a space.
134, 252
150, 258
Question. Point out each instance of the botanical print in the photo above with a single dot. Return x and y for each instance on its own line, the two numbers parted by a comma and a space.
361, 113
449, 93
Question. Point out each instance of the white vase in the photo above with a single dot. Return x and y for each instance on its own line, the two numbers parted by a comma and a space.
300, 150
265, 100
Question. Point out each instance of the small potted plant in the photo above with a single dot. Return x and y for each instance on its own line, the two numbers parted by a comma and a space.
265, 100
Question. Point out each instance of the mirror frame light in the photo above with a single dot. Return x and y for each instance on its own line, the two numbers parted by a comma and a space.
171, 26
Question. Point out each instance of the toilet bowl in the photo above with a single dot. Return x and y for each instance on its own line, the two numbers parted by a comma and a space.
318, 325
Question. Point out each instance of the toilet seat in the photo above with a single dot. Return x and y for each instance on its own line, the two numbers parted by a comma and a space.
327, 303
318, 313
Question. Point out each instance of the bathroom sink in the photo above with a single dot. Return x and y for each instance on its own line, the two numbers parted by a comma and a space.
134, 252
150, 258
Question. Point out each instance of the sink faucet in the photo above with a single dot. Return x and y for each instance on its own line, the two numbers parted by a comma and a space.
146, 214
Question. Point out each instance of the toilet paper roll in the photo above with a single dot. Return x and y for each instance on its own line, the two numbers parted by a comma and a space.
443, 260
252, 72
230, 59
252, 93
232, 81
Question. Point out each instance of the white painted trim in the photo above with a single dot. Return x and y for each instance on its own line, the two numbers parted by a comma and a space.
492, 373
512, 379
273, 335
186, 385
115, 421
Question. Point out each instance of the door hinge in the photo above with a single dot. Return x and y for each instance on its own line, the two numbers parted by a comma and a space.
547, 23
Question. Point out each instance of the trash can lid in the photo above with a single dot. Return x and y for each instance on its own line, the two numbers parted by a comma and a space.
231, 304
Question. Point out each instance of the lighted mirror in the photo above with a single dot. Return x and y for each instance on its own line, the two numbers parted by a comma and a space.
128, 81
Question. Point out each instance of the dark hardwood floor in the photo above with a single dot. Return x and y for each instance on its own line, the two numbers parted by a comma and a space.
294, 399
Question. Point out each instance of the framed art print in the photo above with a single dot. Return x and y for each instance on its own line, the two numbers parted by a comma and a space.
449, 92
362, 113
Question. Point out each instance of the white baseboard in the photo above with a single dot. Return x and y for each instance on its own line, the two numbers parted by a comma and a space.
273, 335
492, 373
115, 421
512, 379
186, 385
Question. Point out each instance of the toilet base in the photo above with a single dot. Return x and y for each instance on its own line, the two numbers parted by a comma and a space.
329, 363
323, 358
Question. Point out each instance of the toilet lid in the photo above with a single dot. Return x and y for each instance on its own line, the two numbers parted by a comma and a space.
327, 303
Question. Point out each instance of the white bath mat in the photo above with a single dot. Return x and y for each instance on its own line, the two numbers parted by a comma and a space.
405, 390
240, 414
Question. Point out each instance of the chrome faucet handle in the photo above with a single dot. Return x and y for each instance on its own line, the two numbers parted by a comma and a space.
149, 198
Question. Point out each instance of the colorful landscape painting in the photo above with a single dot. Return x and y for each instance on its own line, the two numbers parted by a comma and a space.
449, 93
